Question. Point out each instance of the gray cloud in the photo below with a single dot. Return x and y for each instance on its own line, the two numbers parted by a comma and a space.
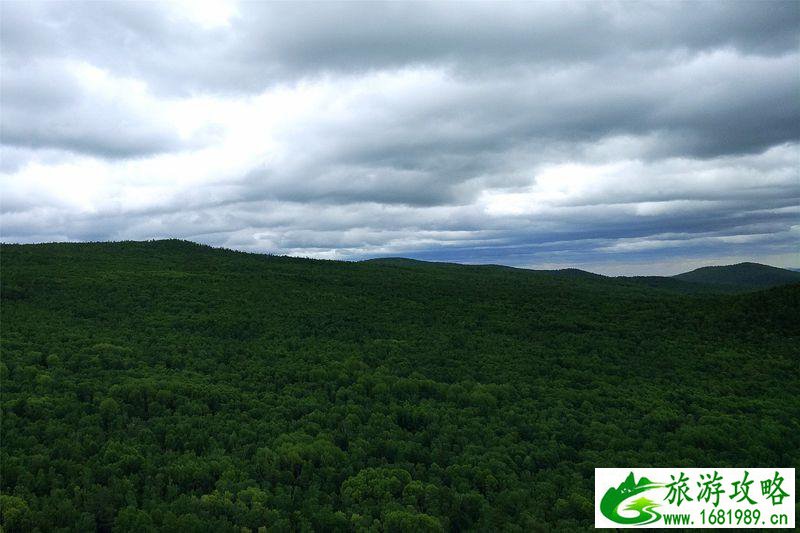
47, 105
269, 43
512, 133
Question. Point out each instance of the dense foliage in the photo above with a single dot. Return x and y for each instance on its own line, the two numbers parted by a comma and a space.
170, 386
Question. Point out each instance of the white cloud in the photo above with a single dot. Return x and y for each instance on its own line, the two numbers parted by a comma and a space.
209, 14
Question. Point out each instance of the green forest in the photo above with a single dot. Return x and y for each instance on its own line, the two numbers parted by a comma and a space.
170, 386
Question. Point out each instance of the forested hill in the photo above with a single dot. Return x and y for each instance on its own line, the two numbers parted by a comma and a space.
175, 387
749, 275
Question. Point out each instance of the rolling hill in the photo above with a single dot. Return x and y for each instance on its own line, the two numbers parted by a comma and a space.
169, 386
746, 275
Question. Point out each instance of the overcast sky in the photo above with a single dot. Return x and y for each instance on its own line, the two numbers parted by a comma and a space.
623, 138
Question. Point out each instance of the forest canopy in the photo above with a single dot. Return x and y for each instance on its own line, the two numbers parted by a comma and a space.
175, 387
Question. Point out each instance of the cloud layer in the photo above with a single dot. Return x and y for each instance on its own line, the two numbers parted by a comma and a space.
616, 137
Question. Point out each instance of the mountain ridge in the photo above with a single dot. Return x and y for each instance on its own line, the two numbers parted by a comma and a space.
737, 277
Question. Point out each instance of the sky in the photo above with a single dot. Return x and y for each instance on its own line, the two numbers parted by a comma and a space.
617, 137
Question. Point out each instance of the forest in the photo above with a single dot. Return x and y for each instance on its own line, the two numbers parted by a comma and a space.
170, 386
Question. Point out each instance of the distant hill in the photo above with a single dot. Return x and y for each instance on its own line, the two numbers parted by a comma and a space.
574, 273
679, 283
406, 262
749, 275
